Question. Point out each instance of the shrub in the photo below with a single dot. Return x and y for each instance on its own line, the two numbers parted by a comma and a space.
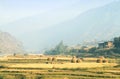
20, 76
1, 77
1, 66
39, 77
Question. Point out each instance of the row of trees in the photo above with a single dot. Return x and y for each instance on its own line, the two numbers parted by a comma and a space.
61, 49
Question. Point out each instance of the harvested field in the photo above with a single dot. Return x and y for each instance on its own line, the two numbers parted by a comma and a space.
66, 65
37, 68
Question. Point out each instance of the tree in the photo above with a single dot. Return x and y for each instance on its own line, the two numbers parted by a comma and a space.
60, 48
117, 42
92, 50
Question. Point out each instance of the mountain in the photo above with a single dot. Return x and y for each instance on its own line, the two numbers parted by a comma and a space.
9, 45
96, 24
100, 23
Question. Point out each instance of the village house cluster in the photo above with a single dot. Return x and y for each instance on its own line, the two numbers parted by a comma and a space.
107, 44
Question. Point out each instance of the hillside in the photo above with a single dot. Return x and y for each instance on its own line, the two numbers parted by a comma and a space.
96, 24
9, 45
100, 24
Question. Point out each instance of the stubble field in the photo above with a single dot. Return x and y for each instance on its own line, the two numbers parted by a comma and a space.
39, 68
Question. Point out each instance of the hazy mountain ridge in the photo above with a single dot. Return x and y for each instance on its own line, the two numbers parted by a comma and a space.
9, 45
96, 24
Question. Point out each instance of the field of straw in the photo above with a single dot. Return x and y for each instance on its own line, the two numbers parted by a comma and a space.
37, 67
66, 65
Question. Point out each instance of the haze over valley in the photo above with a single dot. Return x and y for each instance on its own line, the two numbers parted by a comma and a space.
59, 39
72, 22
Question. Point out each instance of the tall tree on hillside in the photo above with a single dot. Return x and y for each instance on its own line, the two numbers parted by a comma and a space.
117, 42
60, 48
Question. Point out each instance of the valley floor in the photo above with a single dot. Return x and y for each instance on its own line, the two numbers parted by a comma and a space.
63, 69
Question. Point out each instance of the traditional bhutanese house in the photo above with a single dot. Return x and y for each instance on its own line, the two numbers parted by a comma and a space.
101, 45
108, 44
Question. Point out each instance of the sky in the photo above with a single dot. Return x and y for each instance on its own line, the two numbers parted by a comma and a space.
20, 16
12, 10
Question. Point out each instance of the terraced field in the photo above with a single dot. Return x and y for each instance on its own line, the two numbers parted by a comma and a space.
38, 69
65, 73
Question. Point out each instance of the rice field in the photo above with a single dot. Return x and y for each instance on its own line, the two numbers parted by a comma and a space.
61, 69
66, 65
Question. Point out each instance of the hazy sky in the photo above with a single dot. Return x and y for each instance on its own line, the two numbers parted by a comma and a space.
11, 10
20, 17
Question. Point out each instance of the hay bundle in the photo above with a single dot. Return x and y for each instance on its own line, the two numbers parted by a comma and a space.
102, 57
54, 59
82, 59
99, 60
78, 60
73, 59
105, 61
49, 59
